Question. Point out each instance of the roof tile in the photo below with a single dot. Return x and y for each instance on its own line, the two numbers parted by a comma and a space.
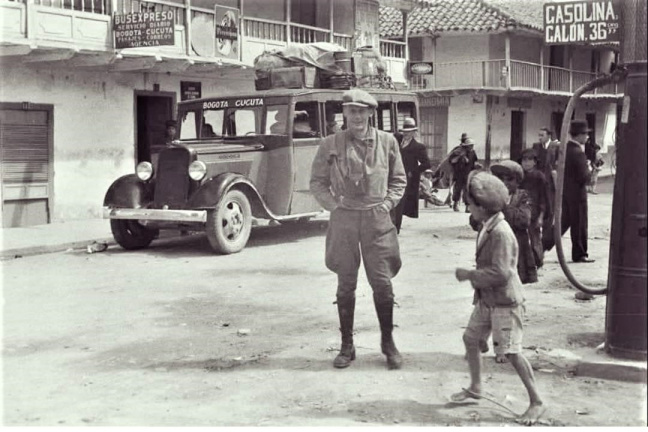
457, 15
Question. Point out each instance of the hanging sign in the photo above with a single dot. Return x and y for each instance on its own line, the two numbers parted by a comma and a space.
581, 22
144, 29
421, 68
190, 90
226, 32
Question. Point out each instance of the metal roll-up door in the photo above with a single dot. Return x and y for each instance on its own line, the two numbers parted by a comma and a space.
25, 142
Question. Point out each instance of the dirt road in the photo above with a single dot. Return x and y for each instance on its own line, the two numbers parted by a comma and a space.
175, 336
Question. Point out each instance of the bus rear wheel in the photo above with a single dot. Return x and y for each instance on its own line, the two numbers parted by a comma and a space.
230, 224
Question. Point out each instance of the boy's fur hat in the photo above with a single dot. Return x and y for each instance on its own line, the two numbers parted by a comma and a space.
487, 191
508, 167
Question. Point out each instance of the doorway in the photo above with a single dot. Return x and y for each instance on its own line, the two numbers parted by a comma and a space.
434, 132
152, 110
26, 147
518, 127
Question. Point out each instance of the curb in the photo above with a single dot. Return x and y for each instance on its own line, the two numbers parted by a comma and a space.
45, 249
613, 370
594, 364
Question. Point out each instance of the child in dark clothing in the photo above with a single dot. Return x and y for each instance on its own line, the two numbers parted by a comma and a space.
518, 215
535, 184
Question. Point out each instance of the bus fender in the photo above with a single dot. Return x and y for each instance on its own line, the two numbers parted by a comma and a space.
210, 193
129, 192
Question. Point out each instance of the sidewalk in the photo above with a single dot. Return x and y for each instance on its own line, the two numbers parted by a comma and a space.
54, 237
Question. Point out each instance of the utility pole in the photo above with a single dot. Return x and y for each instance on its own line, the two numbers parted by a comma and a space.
625, 326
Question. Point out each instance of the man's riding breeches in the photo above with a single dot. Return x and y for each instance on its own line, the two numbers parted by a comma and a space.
367, 233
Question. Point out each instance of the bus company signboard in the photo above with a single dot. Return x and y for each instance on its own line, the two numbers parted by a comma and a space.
144, 29
581, 22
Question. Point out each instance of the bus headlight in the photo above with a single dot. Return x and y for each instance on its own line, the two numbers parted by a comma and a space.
144, 171
197, 170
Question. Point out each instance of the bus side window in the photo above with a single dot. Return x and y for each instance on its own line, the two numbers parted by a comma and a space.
405, 109
333, 117
188, 126
306, 123
383, 117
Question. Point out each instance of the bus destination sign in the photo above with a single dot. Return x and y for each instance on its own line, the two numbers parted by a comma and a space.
581, 22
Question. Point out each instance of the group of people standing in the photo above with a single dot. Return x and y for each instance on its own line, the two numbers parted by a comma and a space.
368, 179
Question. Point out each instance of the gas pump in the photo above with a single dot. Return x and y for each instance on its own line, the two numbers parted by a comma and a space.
626, 323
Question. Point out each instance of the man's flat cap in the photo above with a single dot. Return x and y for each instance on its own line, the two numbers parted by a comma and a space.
359, 98
171, 123
487, 190
508, 167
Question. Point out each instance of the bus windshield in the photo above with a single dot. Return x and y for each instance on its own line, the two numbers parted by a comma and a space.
233, 122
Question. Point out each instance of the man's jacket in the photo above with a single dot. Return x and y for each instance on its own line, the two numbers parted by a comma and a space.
383, 179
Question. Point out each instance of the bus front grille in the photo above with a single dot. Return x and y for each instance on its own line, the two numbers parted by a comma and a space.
172, 180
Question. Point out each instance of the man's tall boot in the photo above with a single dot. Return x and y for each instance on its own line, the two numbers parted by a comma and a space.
385, 311
346, 309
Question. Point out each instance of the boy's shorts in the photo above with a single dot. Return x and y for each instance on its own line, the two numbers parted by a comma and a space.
504, 322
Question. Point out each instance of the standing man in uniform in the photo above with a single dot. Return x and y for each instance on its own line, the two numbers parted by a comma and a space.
415, 161
546, 151
358, 176
574, 196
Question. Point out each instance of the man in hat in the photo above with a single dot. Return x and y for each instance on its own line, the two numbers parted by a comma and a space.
358, 176
546, 151
170, 131
462, 160
415, 161
574, 193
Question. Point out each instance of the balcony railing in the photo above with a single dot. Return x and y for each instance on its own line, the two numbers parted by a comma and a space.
394, 49
299, 33
494, 74
255, 28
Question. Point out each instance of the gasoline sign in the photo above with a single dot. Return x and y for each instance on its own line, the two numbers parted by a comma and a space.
581, 22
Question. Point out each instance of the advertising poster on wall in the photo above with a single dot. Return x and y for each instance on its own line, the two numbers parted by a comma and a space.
226, 32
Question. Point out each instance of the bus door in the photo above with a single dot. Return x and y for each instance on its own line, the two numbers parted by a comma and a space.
307, 131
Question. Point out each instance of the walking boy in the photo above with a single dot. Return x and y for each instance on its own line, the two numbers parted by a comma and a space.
536, 186
498, 300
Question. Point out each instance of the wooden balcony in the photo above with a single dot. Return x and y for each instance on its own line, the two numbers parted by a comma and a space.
80, 33
493, 75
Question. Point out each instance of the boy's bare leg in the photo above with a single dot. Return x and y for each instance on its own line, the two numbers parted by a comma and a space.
525, 372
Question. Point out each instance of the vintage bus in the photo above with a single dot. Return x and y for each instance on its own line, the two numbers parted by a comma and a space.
237, 158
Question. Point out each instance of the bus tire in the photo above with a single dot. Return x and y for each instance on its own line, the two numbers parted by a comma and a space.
230, 224
131, 235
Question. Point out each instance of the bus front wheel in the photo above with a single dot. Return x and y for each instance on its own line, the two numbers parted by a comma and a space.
229, 225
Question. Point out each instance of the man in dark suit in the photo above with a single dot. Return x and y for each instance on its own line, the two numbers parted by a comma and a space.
415, 161
574, 197
547, 156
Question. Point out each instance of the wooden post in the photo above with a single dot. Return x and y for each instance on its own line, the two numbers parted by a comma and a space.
405, 38
507, 59
187, 12
331, 22
489, 120
288, 26
542, 67
571, 69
